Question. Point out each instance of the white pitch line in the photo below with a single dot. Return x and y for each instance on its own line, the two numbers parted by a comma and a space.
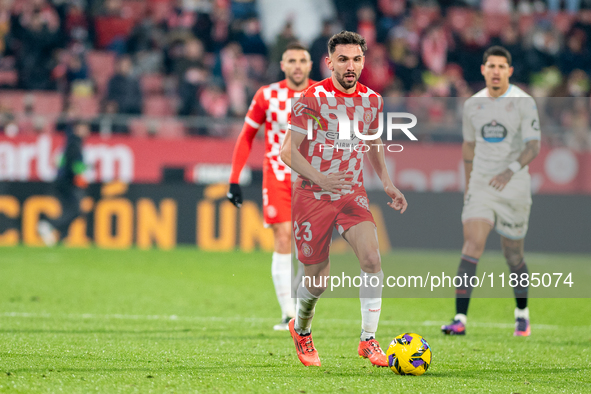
92, 316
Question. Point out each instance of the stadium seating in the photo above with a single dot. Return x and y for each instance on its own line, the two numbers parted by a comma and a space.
102, 67
152, 83
158, 105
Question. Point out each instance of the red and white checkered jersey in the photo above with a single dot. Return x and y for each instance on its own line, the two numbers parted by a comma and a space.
271, 104
325, 151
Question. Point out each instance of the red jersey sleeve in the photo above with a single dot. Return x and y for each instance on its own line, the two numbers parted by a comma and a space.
304, 112
379, 103
254, 119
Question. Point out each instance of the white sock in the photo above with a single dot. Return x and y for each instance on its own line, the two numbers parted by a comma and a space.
305, 311
297, 280
522, 313
281, 272
461, 317
371, 303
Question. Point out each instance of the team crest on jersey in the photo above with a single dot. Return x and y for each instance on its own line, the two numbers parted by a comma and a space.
271, 211
367, 116
306, 250
362, 202
494, 132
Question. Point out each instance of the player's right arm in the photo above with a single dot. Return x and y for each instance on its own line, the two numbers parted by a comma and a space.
253, 120
290, 154
469, 144
468, 148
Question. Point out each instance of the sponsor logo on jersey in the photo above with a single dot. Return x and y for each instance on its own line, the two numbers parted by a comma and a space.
298, 108
493, 132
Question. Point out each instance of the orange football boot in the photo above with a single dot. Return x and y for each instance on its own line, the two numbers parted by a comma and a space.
371, 349
304, 347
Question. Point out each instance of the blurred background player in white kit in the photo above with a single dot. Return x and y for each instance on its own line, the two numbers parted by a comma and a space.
501, 131
271, 106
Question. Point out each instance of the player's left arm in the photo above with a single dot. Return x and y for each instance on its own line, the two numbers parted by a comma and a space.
530, 130
378, 162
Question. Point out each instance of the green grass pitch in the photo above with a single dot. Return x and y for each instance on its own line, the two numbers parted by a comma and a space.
89, 320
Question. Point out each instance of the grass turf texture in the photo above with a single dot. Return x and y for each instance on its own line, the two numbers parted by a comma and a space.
89, 320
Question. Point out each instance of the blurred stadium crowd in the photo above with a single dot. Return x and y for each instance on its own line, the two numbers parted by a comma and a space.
110, 61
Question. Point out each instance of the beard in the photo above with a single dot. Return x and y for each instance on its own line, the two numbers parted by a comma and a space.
344, 83
297, 81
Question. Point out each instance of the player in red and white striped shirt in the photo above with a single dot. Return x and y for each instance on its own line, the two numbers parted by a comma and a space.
271, 106
329, 192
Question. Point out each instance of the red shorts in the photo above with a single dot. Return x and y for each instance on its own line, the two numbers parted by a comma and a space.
313, 221
276, 199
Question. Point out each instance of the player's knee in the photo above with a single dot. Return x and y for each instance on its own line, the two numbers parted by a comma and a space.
473, 247
283, 245
316, 284
513, 259
282, 239
371, 262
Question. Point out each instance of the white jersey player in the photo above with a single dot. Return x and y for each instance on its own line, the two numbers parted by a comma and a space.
501, 132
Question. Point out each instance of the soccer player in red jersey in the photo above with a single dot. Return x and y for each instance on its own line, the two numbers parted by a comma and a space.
271, 106
329, 191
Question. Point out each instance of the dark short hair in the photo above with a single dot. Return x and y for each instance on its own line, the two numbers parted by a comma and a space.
497, 51
346, 38
295, 46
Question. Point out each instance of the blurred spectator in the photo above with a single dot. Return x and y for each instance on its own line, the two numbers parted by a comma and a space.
510, 40
180, 19
124, 89
242, 9
434, 50
469, 49
250, 39
366, 24
572, 6
545, 43
281, 42
392, 11
575, 54
215, 104
27, 121
496, 7
112, 8
5, 17
234, 68
192, 57
576, 85
37, 36
71, 67
319, 51
190, 87
76, 22
112, 26
377, 72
